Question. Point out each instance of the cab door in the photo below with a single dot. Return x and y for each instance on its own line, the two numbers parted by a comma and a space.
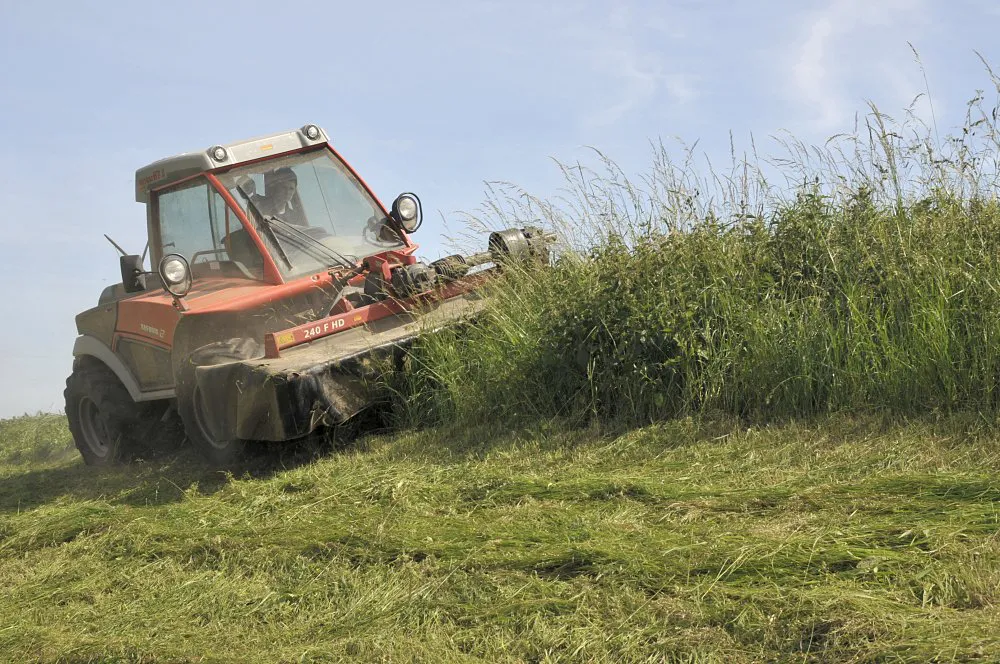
190, 219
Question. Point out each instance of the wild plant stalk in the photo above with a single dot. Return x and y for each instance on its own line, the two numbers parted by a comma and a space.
869, 282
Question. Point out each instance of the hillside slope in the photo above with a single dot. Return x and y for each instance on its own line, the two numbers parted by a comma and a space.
842, 540
576, 477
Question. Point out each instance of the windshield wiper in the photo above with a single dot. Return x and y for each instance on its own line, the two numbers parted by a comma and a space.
343, 260
269, 219
277, 245
267, 224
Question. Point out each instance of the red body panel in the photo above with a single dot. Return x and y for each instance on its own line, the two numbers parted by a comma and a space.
276, 342
151, 318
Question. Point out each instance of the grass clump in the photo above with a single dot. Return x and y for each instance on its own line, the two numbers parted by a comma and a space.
34, 439
873, 286
821, 308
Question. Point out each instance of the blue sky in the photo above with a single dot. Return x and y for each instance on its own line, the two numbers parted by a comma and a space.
433, 97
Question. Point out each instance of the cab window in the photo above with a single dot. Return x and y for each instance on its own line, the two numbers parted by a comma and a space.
195, 222
310, 211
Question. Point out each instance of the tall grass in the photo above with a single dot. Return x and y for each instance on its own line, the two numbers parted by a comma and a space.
867, 280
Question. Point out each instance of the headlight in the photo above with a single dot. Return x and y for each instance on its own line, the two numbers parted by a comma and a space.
406, 210
176, 274
174, 271
311, 131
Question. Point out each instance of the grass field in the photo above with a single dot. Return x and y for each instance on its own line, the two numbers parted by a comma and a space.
843, 539
733, 422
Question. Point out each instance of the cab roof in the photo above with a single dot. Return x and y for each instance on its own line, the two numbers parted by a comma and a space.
172, 169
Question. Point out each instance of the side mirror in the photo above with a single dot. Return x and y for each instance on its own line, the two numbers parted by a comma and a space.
133, 276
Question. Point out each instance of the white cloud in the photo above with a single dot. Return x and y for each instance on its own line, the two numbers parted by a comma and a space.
852, 41
627, 56
812, 75
634, 82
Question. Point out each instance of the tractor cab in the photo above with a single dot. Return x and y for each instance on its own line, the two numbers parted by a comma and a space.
268, 210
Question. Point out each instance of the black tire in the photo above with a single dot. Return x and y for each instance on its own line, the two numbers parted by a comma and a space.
220, 450
102, 416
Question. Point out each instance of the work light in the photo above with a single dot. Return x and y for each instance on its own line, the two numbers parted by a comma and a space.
176, 274
406, 210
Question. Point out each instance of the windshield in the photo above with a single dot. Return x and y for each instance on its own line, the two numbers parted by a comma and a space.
310, 211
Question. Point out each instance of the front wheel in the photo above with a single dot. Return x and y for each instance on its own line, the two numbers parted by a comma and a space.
101, 414
204, 433
201, 432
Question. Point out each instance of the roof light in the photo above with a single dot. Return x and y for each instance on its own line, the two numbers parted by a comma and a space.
218, 153
311, 131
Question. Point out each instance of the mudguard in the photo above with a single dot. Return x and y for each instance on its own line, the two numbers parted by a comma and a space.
86, 345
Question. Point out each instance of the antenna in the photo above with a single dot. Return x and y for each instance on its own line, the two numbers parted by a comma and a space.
144, 250
115, 245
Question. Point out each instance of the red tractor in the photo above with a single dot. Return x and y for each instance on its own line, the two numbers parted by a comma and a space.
282, 283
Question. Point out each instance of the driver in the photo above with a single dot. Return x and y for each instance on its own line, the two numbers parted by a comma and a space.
280, 197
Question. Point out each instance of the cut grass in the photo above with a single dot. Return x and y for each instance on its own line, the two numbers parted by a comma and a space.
840, 540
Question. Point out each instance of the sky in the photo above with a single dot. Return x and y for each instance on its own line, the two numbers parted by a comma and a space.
438, 98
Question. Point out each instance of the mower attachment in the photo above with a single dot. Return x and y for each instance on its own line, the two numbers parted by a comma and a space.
320, 383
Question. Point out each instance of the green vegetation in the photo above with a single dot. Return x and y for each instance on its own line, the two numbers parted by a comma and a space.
874, 287
841, 540
730, 425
